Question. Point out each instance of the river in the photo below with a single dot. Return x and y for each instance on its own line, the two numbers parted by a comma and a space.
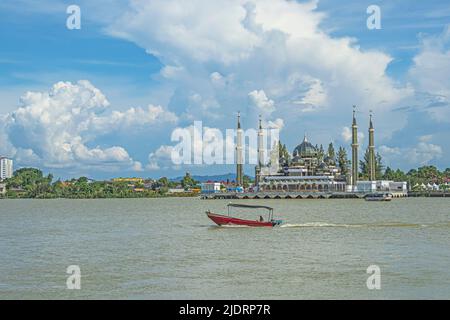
169, 249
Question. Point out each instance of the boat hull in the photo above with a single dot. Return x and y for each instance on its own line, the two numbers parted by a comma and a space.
386, 198
222, 220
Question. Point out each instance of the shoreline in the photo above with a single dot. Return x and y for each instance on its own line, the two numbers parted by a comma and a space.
232, 196
100, 198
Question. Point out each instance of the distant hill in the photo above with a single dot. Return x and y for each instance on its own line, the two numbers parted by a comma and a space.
218, 177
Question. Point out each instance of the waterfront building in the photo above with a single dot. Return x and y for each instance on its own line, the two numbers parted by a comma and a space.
401, 186
6, 168
210, 187
382, 186
129, 180
179, 189
366, 186
301, 184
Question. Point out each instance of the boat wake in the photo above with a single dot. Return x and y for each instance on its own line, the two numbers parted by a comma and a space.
313, 225
363, 225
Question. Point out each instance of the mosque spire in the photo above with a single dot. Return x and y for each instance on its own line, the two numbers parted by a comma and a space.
239, 120
354, 151
372, 160
239, 153
261, 149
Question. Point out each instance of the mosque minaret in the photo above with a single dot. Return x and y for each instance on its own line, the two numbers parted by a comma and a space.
354, 151
372, 161
261, 152
239, 154
261, 149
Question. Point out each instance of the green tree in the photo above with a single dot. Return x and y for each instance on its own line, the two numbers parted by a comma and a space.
31, 181
446, 173
283, 152
187, 181
342, 161
364, 165
379, 166
247, 181
331, 153
389, 174
320, 152
429, 173
163, 182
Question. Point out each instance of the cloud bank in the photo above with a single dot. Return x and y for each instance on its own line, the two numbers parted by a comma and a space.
58, 128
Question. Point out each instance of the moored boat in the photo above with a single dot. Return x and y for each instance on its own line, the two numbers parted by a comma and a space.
228, 220
379, 197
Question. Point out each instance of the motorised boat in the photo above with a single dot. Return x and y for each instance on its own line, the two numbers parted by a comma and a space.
228, 220
379, 197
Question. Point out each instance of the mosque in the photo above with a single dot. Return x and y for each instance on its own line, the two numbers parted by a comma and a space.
307, 171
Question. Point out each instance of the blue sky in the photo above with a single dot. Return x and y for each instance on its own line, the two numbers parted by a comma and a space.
103, 101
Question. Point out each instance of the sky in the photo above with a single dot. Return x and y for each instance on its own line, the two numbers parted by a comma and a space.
103, 101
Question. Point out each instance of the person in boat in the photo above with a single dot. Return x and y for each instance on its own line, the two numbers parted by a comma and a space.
261, 219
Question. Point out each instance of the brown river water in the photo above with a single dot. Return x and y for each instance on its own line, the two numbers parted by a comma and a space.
169, 249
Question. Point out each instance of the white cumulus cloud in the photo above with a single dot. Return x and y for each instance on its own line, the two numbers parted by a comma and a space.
430, 75
263, 104
277, 46
58, 128
161, 158
420, 154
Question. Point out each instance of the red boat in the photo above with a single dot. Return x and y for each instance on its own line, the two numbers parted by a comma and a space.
227, 220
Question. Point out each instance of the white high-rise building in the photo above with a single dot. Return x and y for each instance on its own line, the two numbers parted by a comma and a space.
6, 168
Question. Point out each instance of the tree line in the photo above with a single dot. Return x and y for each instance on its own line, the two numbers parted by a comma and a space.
32, 183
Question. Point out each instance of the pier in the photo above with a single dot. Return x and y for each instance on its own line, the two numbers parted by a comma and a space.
293, 195
432, 194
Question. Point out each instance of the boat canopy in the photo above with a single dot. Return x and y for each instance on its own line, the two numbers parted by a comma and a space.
248, 206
